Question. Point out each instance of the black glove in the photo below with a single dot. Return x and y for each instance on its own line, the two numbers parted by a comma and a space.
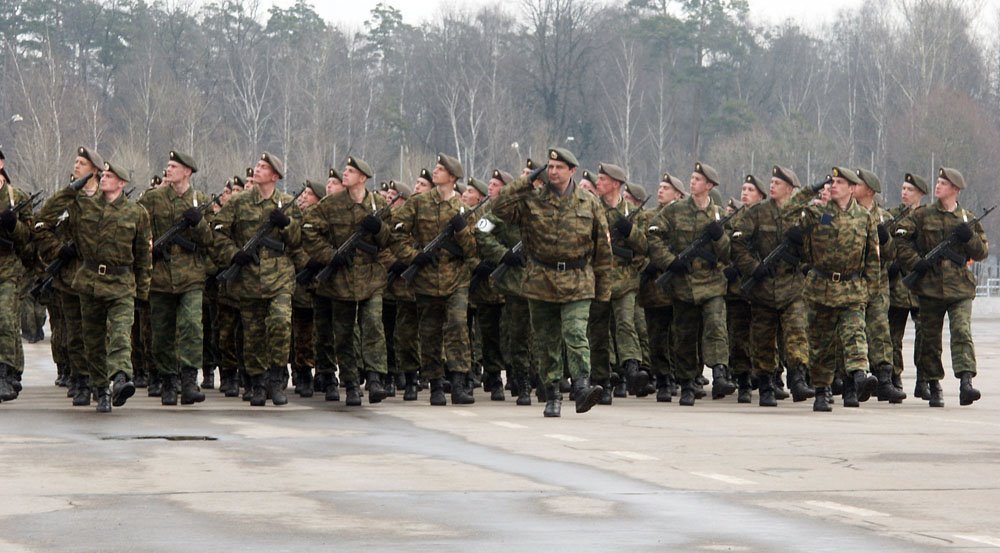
760, 272
157, 253
883, 234
537, 173
512, 258
677, 266
242, 258
314, 266
714, 230
68, 253
894, 269
483, 270
651, 270
732, 273
192, 216
423, 259
340, 261
623, 226
922, 266
397, 268
962, 232
794, 235
8, 220
457, 223
279, 219
371, 224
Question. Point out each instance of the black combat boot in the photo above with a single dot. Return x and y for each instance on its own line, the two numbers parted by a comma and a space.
864, 384
837, 388
585, 395
390, 385
745, 394
247, 382
495, 384
319, 382
607, 394
699, 388
352, 393
168, 393
7, 392
410, 388
635, 378
103, 400
437, 392
82, 396
780, 392
258, 389
565, 386
850, 394
920, 389
821, 403
523, 389
376, 391
208, 377
139, 378
966, 393
797, 384
664, 392
277, 378
332, 387
155, 388
460, 392
765, 387
306, 382
897, 381
553, 402
230, 385
190, 393
885, 390
721, 385
650, 387
121, 389
687, 393
935, 394
475, 377
71, 386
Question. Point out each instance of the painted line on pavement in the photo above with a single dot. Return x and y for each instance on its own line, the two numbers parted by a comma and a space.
565, 438
724, 478
633, 456
834, 506
506, 424
987, 540
463, 413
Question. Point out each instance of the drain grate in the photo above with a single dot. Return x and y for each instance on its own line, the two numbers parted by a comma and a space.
167, 438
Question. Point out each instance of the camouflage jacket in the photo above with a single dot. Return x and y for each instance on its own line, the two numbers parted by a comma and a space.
186, 270
327, 225
899, 295
418, 222
53, 229
886, 253
482, 290
676, 226
115, 245
926, 228
841, 246
559, 230
494, 238
650, 295
757, 232
625, 272
237, 223
15, 243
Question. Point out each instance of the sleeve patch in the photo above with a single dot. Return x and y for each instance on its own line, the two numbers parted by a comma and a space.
485, 225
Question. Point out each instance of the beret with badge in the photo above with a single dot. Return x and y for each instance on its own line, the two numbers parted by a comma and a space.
756, 184
360, 165
563, 155
952, 176
708, 172
276, 165
785, 174
452, 165
917, 181
184, 160
613, 171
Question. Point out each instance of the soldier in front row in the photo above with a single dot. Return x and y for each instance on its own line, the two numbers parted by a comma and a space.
903, 302
15, 232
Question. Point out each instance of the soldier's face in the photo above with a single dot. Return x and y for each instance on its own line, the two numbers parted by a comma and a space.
495, 186
911, 195
699, 184
422, 185
441, 176
780, 190
307, 198
390, 194
471, 196
176, 172
333, 185
264, 173
749, 194
606, 185
81, 167
863, 191
666, 193
110, 183
560, 172
945, 190
841, 189
353, 177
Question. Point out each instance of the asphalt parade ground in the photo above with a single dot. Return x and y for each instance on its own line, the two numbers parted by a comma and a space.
636, 476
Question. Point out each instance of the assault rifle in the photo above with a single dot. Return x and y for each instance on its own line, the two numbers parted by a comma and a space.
173, 234
502, 268
695, 249
944, 249
785, 251
258, 240
616, 248
353, 242
437, 243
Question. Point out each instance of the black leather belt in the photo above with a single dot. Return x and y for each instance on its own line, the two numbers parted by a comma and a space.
102, 269
835, 277
562, 266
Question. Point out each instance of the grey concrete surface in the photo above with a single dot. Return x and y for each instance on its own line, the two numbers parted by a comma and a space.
636, 476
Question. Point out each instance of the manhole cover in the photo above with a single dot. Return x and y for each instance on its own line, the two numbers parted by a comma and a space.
167, 438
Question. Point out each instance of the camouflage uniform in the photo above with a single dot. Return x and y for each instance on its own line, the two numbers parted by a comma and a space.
657, 307
738, 313
877, 308
12, 243
903, 305
489, 301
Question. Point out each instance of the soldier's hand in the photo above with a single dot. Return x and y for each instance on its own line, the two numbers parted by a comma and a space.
397, 268
457, 223
483, 270
677, 266
279, 219
922, 266
794, 235
894, 269
8, 220
963, 233
760, 272
192, 216
732, 273
883, 234
68, 253
371, 224
340, 261
242, 258
623, 226
715, 231
423, 259
514, 259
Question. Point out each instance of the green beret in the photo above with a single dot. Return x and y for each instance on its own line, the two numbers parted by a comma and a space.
155, 181
334, 174
318, 188
785, 174
613, 171
637, 191
479, 185
952, 176
563, 155
184, 160
716, 197
452, 165
756, 184
238, 180
916, 181
426, 175
93, 157
360, 165
708, 172
675, 182
275, 164
587, 176
460, 187
846, 174
402, 188
249, 172
502, 176
871, 180
117, 171
530, 164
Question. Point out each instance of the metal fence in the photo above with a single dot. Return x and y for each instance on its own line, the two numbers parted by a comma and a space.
987, 274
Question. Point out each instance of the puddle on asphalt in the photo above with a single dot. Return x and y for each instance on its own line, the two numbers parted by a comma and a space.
167, 438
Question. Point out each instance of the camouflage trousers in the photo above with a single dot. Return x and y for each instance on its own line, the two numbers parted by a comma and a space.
738, 317
836, 335
643, 333
73, 337
778, 337
107, 337
457, 344
561, 328
210, 332
326, 358
32, 311
518, 334
658, 321
406, 338
267, 332
353, 321
303, 352
897, 328
699, 326
963, 352
432, 312
57, 337
389, 328
177, 331
877, 331
142, 341
600, 328
230, 324
10, 324
488, 319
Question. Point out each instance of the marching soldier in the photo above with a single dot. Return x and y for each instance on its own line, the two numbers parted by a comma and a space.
395, 373
15, 234
303, 353
232, 369
487, 299
903, 303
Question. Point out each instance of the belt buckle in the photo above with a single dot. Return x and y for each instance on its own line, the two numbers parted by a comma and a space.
102, 269
835, 277
561, 266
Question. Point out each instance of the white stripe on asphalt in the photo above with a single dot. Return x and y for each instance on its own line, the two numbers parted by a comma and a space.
724, 478
987, 540
565, 438
463, 413
834, 506
633, 456
506, 424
